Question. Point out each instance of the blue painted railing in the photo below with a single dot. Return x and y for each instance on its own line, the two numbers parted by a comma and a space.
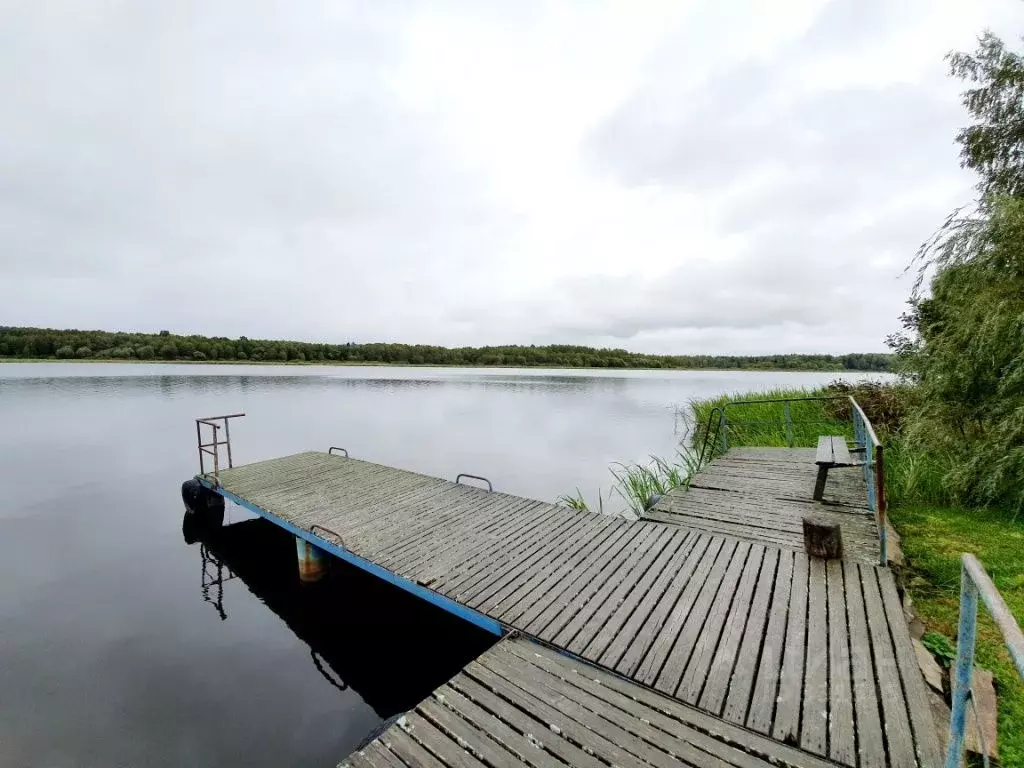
975, 583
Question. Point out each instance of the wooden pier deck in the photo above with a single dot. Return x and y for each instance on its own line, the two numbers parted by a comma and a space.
520, 704
741, 626
763, 494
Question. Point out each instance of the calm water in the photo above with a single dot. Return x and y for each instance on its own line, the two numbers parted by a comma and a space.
119, 644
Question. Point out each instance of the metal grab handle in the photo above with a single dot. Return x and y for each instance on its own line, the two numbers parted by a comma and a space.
334, 448
476, 477
337, 535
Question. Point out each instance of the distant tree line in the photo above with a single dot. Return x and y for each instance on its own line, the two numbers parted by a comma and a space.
35, 343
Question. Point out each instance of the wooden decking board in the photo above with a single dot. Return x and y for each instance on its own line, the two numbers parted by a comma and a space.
741, 681
763, 701
537, 589
572, 584
603, 601
716, 608
841, 725
814, 730
683, 643
621, 640
706, 643
711, 735
679, 605
465, 545
523, 749
914, 692
866, 696
495, 594
498, 563
577, 722
464, 732
457, 537
447, 531
766, 500
633, 722
897, 726
470, 565
791, 677
719, 673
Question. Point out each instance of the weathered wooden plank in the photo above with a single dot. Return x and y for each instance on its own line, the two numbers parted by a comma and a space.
623, 640
841, 726
814, 730
484, 688
761, 709
787, 707
439, 743
528, 750
636, 737
726, 657
896, 725
675, 663
531, 570
578, 583
925, 739
464, 733
511, 561
411, 752
381, 756
732, 743
591, 616
492, 554
706, 642
741, 683
542, 585
870, 742
691, 582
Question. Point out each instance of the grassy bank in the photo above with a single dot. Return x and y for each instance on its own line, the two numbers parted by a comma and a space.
934, 531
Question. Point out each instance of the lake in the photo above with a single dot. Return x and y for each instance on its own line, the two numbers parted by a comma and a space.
126, 641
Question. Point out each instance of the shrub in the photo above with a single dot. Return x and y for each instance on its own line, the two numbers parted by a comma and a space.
83, 352
65, 352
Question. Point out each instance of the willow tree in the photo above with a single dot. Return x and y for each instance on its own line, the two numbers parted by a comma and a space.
965, 340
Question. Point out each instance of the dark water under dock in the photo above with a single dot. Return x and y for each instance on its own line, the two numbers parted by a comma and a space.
111, 653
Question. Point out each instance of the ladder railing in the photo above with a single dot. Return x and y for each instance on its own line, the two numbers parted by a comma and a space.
212, 448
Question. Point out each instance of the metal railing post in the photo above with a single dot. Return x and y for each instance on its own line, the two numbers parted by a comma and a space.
789, 426
723, 427
964, 669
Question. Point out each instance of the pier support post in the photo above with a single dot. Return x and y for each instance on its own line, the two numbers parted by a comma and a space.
312, 561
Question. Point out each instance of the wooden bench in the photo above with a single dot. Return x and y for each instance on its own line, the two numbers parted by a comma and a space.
832, 452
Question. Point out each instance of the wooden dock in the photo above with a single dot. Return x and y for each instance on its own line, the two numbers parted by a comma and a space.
709, 609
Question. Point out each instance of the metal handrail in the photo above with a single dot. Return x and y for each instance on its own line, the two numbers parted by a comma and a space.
212, 448
867, 442
314, 526
974, 582
475, 477
707, 434
334, 448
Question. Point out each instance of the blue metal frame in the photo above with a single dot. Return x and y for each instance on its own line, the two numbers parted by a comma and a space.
474, 617
975, 583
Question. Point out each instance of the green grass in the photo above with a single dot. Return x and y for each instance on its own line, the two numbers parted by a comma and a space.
933, 540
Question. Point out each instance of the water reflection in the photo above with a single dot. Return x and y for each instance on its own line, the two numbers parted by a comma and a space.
363, 635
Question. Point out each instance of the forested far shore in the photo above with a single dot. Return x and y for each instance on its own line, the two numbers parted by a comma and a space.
49, 343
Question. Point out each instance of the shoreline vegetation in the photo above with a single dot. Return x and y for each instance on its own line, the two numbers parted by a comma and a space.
48, 344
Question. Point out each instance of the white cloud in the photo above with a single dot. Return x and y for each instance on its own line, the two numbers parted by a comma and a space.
663, 176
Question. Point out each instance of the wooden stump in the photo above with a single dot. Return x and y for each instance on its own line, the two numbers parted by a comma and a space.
822, 538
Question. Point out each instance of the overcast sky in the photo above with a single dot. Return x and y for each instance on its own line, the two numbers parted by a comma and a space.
667, 177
